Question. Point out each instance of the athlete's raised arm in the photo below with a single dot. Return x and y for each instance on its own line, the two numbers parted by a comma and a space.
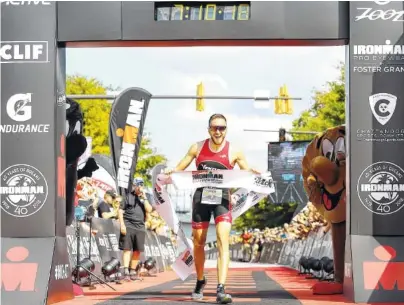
186, 161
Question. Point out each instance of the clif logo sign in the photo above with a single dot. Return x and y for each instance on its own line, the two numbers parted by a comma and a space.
17, 275
24, 52
129, 134
385, 274
378, 14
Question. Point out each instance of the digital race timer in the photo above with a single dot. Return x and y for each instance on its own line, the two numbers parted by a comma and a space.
165, 11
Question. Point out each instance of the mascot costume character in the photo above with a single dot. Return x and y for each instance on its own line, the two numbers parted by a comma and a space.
324, 169
76, 145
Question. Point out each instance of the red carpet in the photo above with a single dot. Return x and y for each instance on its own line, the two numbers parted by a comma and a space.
300, 288
257, 285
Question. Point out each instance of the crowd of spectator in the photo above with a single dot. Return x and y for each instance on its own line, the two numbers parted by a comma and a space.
298, 229
107, 206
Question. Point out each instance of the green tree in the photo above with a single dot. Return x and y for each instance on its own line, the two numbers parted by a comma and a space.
95, 112
328, 109
265, 215
147, 160
96, 123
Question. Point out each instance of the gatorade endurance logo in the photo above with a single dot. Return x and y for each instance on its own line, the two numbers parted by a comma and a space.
381, 188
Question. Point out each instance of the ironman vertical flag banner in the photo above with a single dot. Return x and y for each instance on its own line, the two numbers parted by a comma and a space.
126, 123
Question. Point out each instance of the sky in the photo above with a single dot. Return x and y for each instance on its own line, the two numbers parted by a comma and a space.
174, 125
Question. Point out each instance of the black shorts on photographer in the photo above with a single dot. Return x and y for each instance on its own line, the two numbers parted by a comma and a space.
134, 216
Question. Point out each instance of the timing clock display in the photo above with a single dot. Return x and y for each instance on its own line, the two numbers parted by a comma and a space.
170, 11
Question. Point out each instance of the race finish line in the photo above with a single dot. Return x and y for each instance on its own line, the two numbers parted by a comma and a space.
249, 283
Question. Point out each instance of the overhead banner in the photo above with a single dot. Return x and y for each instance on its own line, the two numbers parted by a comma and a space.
126, 124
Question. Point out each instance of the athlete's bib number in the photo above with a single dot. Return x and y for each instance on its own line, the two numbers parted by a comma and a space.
212, 196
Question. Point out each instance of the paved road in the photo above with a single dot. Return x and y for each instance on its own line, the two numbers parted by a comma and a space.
246, 283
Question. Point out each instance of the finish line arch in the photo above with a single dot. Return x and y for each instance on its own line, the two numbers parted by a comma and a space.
34, 37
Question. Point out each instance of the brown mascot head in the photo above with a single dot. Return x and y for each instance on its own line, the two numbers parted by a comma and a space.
324, 170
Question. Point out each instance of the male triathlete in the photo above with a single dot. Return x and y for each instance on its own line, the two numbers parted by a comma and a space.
212, 154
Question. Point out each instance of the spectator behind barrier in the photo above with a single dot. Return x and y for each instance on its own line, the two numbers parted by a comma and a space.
109, 207
298, 229
132, 217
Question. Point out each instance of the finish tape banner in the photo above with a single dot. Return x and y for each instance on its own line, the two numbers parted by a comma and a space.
126, 124
252, 189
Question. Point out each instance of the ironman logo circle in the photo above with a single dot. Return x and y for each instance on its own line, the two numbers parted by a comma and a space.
381, 188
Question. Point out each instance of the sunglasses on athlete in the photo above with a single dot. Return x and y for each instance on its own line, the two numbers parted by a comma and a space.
218, 128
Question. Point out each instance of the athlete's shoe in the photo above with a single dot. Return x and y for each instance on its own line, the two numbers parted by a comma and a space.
198, 291
222, 296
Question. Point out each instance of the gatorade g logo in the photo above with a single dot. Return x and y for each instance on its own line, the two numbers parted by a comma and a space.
129, 134
384, 275
187, 258
17, 275
19, 107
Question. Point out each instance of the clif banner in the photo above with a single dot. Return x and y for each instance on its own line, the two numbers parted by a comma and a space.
126, 123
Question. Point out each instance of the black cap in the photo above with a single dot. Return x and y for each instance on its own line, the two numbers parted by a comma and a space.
110, 193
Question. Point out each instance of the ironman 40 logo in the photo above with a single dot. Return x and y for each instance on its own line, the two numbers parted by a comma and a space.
23, 190
381, 188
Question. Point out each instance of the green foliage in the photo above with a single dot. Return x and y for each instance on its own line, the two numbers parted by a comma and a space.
96, 122
265, 215
147, 160
328, 109
96, 112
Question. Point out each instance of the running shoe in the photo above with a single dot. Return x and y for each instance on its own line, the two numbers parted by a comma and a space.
223, 297
198, 291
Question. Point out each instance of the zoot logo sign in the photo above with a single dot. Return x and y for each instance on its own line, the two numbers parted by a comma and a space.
23, 190
381, 188
367, 13
24, 52
19, 109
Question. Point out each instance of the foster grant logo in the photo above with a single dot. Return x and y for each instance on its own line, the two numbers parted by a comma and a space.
381, 188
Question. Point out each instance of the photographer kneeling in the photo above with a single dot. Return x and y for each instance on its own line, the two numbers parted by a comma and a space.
132, 216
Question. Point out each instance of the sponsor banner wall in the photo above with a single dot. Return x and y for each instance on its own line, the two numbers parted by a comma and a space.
29, 125
376, 128
126, 124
